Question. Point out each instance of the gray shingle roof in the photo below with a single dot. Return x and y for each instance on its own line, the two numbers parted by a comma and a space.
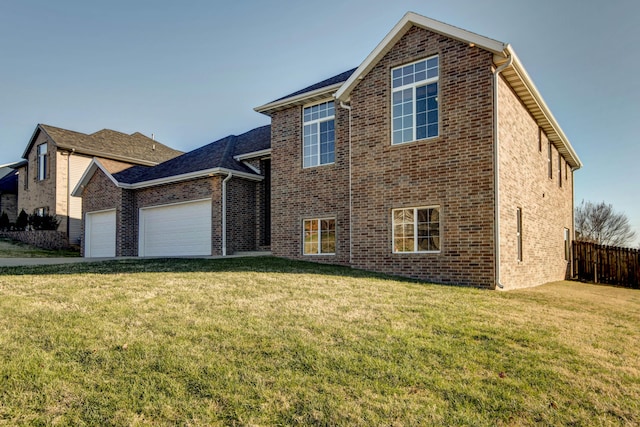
9, 183
339, 78
218, 154
107, 143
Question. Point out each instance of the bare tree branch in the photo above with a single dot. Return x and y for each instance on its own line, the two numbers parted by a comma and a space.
599, 223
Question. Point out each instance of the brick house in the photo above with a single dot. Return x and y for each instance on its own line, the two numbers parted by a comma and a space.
436, 158
210, 201
56, 159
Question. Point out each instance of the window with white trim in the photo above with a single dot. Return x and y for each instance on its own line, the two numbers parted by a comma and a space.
319, 236
319, 134
42, 161
416, 229
415, 101
567, 244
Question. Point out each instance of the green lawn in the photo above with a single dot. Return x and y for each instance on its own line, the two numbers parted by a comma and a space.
265, 341
13, 249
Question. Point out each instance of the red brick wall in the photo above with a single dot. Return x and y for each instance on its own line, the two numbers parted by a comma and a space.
524, 183
302, 193
241, 215
453, 171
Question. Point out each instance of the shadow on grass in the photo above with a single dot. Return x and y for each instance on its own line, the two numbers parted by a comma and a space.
262, 264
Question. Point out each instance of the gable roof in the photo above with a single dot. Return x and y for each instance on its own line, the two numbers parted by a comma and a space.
217, 157
503, 54
107, 143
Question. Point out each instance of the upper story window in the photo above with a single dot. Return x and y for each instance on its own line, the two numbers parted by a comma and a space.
42, 162
319, 134
415, 101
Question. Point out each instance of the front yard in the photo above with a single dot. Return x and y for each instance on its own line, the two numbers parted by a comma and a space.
13, 249
271, 342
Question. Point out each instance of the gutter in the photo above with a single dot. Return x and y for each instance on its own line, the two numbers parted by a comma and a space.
496, 160
348, 107
224, 213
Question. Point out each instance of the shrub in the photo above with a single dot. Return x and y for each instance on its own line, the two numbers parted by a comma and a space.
22, 221
43, 222
4, 221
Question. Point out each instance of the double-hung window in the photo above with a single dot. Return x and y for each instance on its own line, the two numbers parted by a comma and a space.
416, 229
319, 134
319, 236
415, 101
42, 162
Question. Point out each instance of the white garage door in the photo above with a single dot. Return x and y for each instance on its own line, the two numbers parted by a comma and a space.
176, 230
100, 234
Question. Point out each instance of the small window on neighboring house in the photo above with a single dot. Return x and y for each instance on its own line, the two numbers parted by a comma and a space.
26, 177
566, 171
549, 160
416, 229
559, 170
519, 232
41, 211
318, 134
540, 140
319, 236
567, 244
42, 162
414, 101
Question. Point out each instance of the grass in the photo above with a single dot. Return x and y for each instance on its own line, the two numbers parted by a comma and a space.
265, 341
14, 249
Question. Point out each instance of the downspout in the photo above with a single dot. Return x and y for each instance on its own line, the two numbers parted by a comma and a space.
496, 161
224, 213
348, 107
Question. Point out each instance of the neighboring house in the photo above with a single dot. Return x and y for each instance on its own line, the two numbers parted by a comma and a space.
56, 159
436, 158
210, 201
9, 195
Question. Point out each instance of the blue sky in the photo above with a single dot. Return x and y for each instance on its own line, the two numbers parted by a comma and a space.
191, 72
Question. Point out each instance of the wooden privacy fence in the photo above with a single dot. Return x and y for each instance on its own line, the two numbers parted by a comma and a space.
606, 264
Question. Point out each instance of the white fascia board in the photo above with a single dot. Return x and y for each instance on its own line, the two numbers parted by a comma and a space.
192, 175
408, 20
14, 165
88, 173
298, 99
253, 154
544, 109
93, 153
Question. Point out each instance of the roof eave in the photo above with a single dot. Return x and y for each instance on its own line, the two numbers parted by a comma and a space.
88, 173
93, 153
301, 99
408, 20
192, 175
523, 85
252, 155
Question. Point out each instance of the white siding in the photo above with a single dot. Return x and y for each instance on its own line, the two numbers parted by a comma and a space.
77, 166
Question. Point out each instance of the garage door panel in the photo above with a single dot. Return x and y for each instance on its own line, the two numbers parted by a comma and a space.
100, 234
176, 230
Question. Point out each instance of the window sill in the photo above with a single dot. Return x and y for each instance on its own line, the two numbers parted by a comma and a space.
318, 166
400, 144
